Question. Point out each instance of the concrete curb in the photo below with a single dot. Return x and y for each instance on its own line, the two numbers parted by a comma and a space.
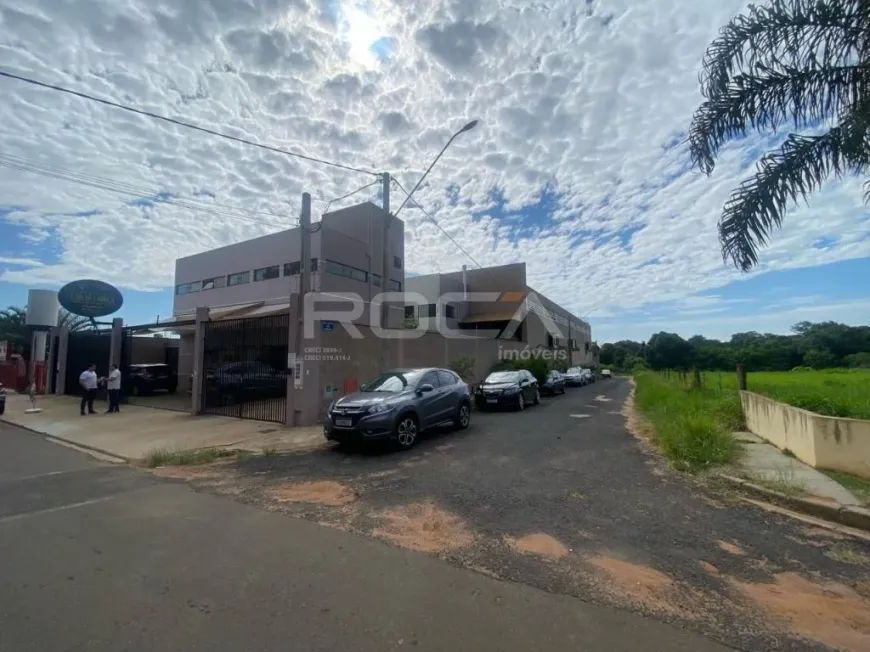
69, 442
851, 515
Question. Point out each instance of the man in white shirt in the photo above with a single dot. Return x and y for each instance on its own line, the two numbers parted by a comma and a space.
113, 386
88, 381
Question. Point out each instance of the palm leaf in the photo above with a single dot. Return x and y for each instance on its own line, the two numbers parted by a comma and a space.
796, 170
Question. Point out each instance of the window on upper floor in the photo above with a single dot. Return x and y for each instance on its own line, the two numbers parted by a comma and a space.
267, 273
347, 271
187, 288
214, 283
291, 269
397, 262
395, 286
410, 311
450, 311
239, 279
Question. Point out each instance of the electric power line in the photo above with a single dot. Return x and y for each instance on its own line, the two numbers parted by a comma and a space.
435, 222
180, 123
351, 193
133, 191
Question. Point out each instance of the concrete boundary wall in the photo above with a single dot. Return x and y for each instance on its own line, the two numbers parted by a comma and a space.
823, 442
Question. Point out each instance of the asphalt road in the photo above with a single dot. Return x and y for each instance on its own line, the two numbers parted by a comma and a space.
563, 498
106, 558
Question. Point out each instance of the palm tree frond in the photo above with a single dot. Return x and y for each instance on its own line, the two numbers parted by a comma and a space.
794, 32
805, 96
797, 169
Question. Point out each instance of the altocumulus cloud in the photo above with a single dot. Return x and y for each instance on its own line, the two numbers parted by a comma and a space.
583, 108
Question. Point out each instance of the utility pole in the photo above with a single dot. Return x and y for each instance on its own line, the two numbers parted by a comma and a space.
386, 262
296, 356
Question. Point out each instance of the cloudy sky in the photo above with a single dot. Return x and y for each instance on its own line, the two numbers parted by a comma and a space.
578, 165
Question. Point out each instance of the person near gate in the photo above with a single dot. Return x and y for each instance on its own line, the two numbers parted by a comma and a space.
88, 381
113, 386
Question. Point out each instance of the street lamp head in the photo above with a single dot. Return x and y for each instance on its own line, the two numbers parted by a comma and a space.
471, 125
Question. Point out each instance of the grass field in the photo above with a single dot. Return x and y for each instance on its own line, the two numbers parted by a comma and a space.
693, 427
832, 392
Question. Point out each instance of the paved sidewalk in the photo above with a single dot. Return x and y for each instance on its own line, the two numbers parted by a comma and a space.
766, 463
137, 431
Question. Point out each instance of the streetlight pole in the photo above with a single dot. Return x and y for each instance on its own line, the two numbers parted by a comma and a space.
388, 220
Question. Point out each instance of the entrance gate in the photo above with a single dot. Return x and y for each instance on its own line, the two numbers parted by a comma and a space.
83, 349
245, 368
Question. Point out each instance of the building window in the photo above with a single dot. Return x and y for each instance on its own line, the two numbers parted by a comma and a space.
239, 279
294, 268
376, 280
267, 273
347, 271
187, 288
395, 286
397, 262
450, 311
410, 311
587, 347
213, 283
550, 341
430, 310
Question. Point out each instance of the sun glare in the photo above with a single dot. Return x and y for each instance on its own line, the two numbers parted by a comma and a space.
361, 30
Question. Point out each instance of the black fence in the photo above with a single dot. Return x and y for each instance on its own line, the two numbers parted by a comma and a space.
245, 368
83, 349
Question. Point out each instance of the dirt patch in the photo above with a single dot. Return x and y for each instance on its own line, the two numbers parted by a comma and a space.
819, 532
829, 613
709, 568
731, 548
325, 492
540, 544
643, 586
423, 527
633, 422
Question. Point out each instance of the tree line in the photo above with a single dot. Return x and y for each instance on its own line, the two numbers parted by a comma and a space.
816, 345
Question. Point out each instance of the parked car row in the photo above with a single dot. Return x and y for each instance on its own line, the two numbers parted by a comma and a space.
398, 405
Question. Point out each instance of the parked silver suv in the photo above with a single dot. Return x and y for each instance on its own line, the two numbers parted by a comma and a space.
399, 405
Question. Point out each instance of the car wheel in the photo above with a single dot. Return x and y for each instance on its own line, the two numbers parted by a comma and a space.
563, 390
407, 430
537, 396
463, 416
521, 402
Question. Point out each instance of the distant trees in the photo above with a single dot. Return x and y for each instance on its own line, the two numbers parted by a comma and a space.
14, 329
817, 345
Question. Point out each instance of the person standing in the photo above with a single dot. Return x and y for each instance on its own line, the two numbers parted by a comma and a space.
113, 386
88, 381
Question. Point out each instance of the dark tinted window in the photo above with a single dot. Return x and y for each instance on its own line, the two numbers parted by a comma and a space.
450, 311
429, 311
431, 378
267, 273
503, 377
446, 378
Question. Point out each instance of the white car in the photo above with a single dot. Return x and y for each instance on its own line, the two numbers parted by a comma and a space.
605, 373
588, 376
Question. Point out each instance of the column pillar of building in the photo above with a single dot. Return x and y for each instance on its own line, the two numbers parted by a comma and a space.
198, 373
115, 343
62, 355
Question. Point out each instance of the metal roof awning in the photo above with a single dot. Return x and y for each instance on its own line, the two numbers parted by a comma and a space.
264, 311
185, 319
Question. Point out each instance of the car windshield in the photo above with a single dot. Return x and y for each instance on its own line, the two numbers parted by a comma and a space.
503, 377
394, 381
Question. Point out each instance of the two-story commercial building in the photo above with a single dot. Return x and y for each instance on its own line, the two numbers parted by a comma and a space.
453, 300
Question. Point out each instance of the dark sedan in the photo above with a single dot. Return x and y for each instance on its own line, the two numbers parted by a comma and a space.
554, 384
508, 389
398, 405
150, 378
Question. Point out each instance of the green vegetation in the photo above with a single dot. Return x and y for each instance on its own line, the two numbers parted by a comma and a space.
693, 425
860, 487
163, 457
539, 367
811, 346
464, 368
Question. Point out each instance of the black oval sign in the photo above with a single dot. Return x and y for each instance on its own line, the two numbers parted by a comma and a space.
89, 298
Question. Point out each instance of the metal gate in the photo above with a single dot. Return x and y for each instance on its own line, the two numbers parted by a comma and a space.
83, 349
245, 368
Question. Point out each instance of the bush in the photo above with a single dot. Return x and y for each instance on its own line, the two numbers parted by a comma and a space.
464, 368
